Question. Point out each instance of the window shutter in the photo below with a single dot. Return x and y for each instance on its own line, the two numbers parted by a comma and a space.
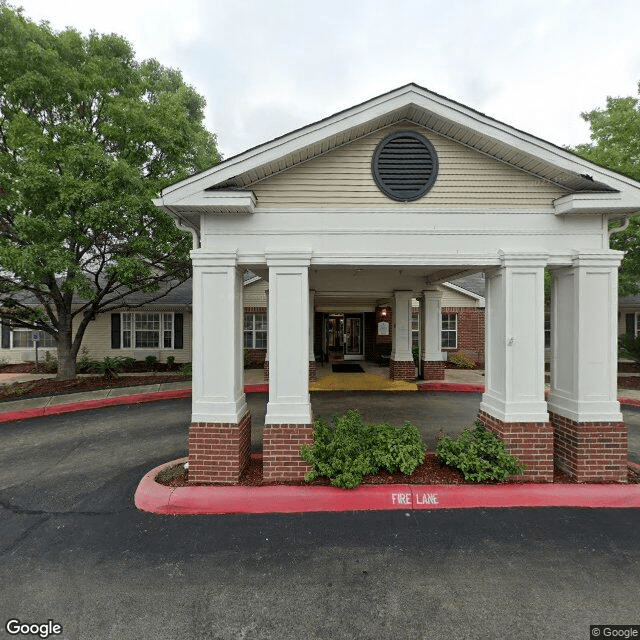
630, 321
6, 334
115, 330
177, 330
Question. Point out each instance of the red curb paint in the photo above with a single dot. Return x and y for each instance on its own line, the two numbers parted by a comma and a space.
220, 500
629, 401
451, 386
256, 388
22, 415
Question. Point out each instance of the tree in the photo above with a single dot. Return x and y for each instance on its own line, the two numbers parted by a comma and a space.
88, 137
615, 144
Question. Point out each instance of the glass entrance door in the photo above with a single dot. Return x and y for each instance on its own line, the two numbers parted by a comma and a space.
353, 336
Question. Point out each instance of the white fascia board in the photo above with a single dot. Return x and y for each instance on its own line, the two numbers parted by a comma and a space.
380, 106
465, 292
214, 201
622, 203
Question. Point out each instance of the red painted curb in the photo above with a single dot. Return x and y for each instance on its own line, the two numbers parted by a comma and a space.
629, 401
451, 386
94, 404
219, 500
256, 388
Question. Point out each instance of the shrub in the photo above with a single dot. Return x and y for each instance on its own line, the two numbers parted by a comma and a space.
415, 352
109, 367
128, 363
185, 369
462, 360
350, 450
170, 361
84, 363
629, 347
479, 454
151, 361
50, 362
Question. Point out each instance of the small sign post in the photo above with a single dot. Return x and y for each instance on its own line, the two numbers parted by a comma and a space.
36, 340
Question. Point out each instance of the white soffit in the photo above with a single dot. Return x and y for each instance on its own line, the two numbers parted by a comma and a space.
413, 104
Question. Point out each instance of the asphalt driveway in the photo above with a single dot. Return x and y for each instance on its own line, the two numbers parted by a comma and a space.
75, 550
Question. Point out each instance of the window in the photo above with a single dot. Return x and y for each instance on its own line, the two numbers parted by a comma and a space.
449, 331
415, 330
255, 330
147, 330
22, 338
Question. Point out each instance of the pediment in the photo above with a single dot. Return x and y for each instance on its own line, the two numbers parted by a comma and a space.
599, 190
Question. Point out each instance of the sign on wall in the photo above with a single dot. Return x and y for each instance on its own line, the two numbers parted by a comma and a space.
383, 328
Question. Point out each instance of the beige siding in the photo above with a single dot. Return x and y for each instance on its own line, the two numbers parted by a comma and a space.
456, 299
254, 294
466, 178
97, 341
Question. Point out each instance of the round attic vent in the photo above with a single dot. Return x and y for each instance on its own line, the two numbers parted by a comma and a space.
404, 165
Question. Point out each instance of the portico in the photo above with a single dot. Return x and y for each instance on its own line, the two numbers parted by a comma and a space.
377, 205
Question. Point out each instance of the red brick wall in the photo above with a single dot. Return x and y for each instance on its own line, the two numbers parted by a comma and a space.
402, 370
281, 451
591, 451
433, 370
470, 331
530, 442
219, 451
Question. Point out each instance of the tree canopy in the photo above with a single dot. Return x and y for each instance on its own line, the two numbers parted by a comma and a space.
88, 137
615, 144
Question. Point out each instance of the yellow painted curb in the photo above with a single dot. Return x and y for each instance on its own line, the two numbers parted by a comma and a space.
360, 382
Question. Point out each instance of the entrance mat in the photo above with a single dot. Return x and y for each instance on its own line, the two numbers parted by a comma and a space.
346, 367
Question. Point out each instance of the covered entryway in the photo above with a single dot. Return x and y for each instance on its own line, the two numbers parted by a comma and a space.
373, 207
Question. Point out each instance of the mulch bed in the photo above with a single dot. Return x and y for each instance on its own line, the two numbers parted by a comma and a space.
51, 387
431, 471
629, 382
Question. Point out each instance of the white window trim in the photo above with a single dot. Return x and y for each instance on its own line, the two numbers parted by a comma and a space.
160, 346
455, 331
30, 346
253, 330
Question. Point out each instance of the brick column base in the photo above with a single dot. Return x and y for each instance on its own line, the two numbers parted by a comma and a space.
401, 370
433, 370
530, 442
265, 371
313, 371
591, 451
219, 452
281, 451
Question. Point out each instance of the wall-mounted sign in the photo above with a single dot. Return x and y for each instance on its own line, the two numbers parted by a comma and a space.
383, 328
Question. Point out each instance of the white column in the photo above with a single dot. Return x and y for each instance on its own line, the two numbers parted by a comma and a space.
266, 355
217, 388
401, 339
584, 319
515, 339
312, 295
289, 400
431, 325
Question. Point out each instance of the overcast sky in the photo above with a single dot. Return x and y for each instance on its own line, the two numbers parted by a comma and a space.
268, 67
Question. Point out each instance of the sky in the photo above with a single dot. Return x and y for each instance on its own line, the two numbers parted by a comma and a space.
268, 67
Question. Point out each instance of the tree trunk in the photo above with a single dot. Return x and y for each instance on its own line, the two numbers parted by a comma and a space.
66, 351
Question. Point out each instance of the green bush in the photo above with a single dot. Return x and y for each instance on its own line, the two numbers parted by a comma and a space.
185, 369
461, 360
350, 450
151, 361
170, 361
629, 347
50, 362
479, 454
109, 367
84, 363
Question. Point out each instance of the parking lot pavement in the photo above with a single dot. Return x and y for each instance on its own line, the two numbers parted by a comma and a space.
74, 549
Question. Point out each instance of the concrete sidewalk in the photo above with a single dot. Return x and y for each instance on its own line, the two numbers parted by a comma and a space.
455, 380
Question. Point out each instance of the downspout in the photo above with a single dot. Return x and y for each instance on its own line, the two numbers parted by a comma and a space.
181, 222
622, 227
